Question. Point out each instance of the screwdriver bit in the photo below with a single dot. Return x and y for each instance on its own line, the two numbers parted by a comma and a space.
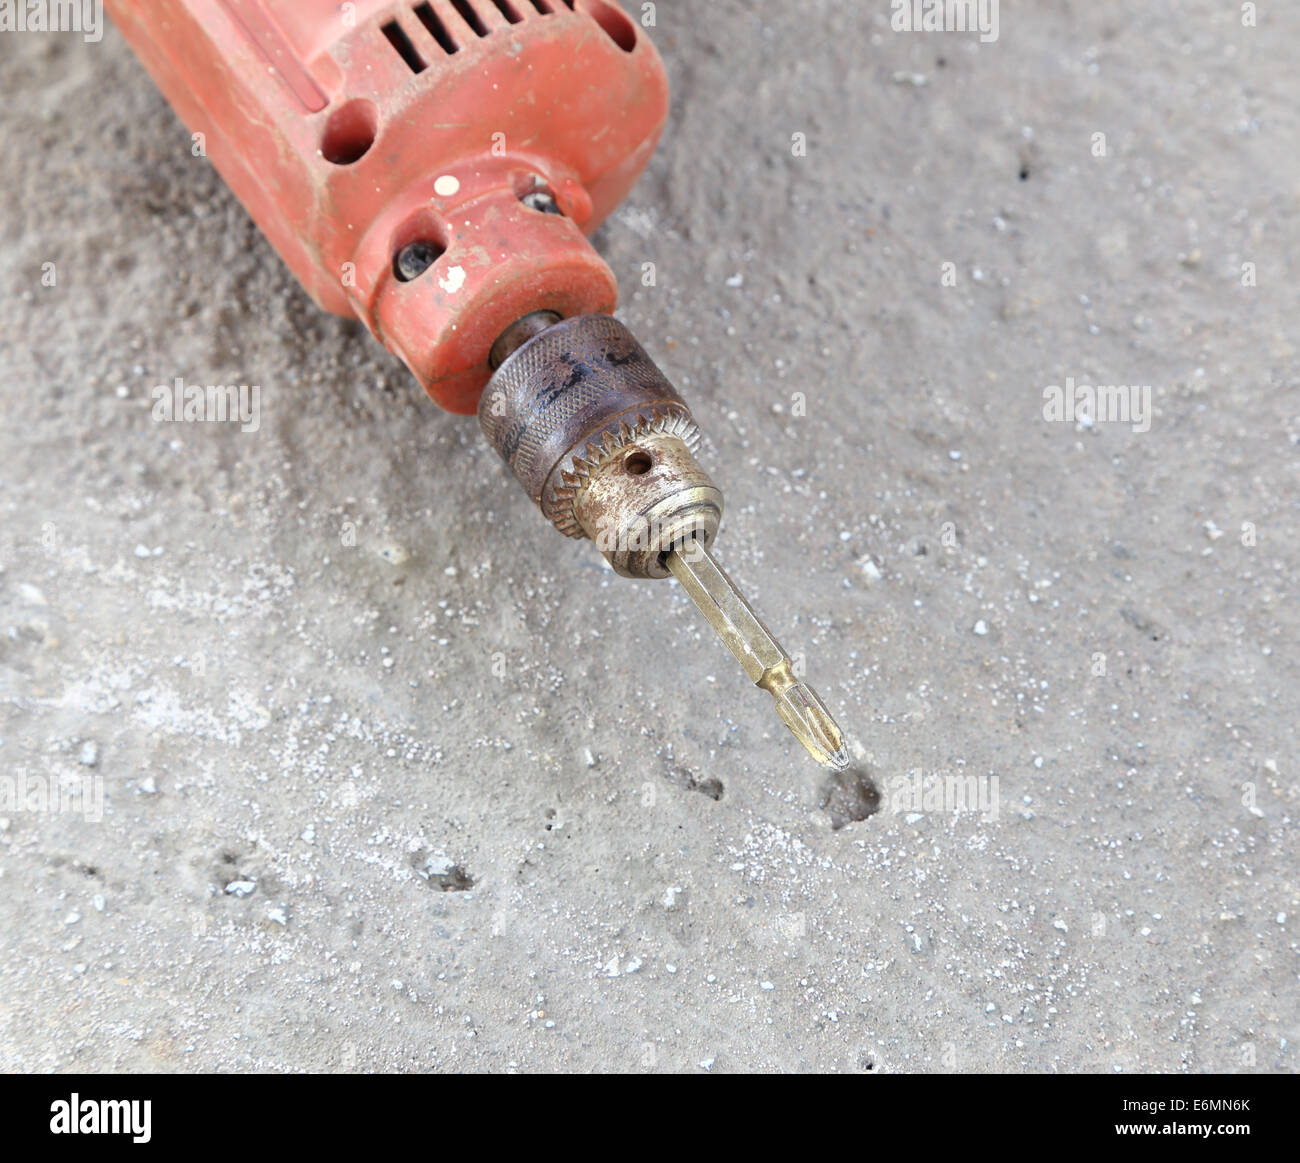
758, 652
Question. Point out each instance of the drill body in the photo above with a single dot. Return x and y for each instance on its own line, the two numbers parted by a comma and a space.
432, 168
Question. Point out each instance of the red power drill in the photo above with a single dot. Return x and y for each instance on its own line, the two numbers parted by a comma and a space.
434, 169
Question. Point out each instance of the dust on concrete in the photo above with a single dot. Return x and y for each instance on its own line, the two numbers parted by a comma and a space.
396, 779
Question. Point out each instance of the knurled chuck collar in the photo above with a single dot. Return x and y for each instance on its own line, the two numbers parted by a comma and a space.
602, 442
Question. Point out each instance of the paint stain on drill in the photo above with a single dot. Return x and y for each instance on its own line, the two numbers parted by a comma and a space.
849, 797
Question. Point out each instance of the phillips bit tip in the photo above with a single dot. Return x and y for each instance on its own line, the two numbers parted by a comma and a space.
758, 652
810, 722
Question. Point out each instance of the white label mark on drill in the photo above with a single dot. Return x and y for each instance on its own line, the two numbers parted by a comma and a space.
446, 185
454, 280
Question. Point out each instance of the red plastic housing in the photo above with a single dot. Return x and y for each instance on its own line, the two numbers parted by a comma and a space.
350, 130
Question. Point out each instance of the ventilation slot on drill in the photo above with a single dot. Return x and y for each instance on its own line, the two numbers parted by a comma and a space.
402, 43
508, 11
466, 12
429, 18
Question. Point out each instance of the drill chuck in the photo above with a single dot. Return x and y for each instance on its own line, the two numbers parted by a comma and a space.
601, 441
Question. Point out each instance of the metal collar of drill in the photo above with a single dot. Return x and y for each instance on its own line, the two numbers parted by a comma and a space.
601, 441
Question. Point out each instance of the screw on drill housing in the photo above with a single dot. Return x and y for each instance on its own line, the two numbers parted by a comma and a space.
542, 200
414, 259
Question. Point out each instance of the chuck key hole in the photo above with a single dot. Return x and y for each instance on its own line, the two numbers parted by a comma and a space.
638, 462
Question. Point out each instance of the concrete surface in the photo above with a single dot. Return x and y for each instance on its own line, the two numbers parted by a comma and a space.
396, 779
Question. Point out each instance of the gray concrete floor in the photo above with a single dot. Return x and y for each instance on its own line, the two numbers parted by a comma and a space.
609, 855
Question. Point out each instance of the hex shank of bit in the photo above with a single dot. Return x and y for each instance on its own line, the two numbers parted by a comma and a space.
725, 607
762, 657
